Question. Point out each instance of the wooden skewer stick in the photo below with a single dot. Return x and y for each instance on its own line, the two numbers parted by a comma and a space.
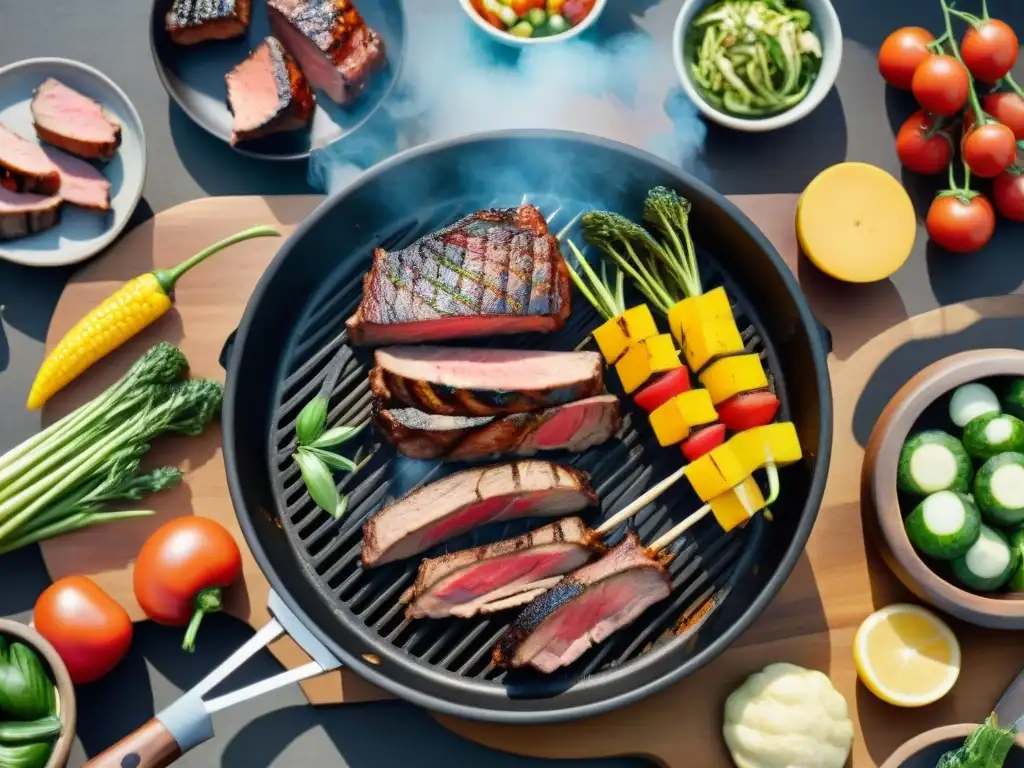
652, 494
679, 530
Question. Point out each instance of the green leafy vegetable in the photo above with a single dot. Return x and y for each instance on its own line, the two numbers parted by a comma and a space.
986, 747
26, 691
25, 755
27, 731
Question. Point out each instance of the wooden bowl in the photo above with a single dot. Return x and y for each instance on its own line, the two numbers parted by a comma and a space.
65, 688
881, 508
924, 751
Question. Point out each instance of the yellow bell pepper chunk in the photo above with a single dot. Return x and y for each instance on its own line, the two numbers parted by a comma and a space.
673, 420
773, 443
731, 375
713, 338
685, 316
706, 479
738, 504
646, 358
615, 336
732, 470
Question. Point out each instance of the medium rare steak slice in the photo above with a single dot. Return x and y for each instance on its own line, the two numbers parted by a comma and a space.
584, 608
461, 381
330, 39
23, 213
24, 167
465, 500
268, 94
80, 183
494, 272
572, 427
500, 575
75, 123
196, 21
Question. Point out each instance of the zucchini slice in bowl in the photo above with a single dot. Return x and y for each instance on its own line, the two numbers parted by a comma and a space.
933, 461
945, 525
988, 564
990, 434
999, 489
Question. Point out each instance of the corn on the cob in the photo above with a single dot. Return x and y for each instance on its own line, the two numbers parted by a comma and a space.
128, 311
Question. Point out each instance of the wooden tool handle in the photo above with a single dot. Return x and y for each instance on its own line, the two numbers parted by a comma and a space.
152, 746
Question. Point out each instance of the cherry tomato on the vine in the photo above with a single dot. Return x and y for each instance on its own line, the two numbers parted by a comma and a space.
989, 149
1008, 193
920, 152
902, 53
958, 226
941, 85
1008, 108
990, 50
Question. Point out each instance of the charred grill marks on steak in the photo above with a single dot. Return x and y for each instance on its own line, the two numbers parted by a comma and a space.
196, 21
267, 93
495, 271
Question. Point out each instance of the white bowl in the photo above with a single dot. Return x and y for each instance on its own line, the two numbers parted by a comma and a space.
825, 24
510, 39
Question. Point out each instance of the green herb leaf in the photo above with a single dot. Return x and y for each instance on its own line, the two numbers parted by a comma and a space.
310, 424
341, 509
319, 482
986, 747
336, 436
332, 460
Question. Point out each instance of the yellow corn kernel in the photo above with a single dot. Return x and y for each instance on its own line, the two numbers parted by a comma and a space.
737, 505
729, 465
133, 307
731, 375
696, 407
646, 358
705, 477
615, 336
773, 443
713, 338
690, 313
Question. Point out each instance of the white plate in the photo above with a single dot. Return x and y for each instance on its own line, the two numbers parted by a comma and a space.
80, 233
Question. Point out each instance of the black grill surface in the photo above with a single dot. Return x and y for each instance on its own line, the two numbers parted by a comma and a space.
706, 563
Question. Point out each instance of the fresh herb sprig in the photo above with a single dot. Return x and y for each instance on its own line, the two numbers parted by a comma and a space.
986, 747
316, 463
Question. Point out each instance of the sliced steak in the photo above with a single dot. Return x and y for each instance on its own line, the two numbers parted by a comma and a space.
81, 183
572, 427
75, 123
332, 43
23, 213
196, 21
493, 272
584, 608
499, 575
24, 167
484, 382
465, 500
268, 94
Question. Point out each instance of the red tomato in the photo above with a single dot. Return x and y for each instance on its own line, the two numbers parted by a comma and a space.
989, 149
664, 389
989, 50
960, 227
576, 11
521, 7
941, 85
1008, 193
920, 154
181, 570
748, 410
702, 441
902, 53
90, 631
1008, 108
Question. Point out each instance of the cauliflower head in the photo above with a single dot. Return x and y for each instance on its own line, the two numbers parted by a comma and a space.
786, 716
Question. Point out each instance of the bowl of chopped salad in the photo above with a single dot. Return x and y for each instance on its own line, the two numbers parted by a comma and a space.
757, 65
533, 22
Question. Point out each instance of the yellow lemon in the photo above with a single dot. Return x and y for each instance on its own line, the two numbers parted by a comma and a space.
906, 656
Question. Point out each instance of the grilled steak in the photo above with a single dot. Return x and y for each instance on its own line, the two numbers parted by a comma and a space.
196, 21
23, 213
80, 183
484, 382
458, 503
335, 48
572, 427
494, 272
584, 608
500, 575
24, 167
75, 123
268, 94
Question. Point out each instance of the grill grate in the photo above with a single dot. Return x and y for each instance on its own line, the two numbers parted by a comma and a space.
705, 565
